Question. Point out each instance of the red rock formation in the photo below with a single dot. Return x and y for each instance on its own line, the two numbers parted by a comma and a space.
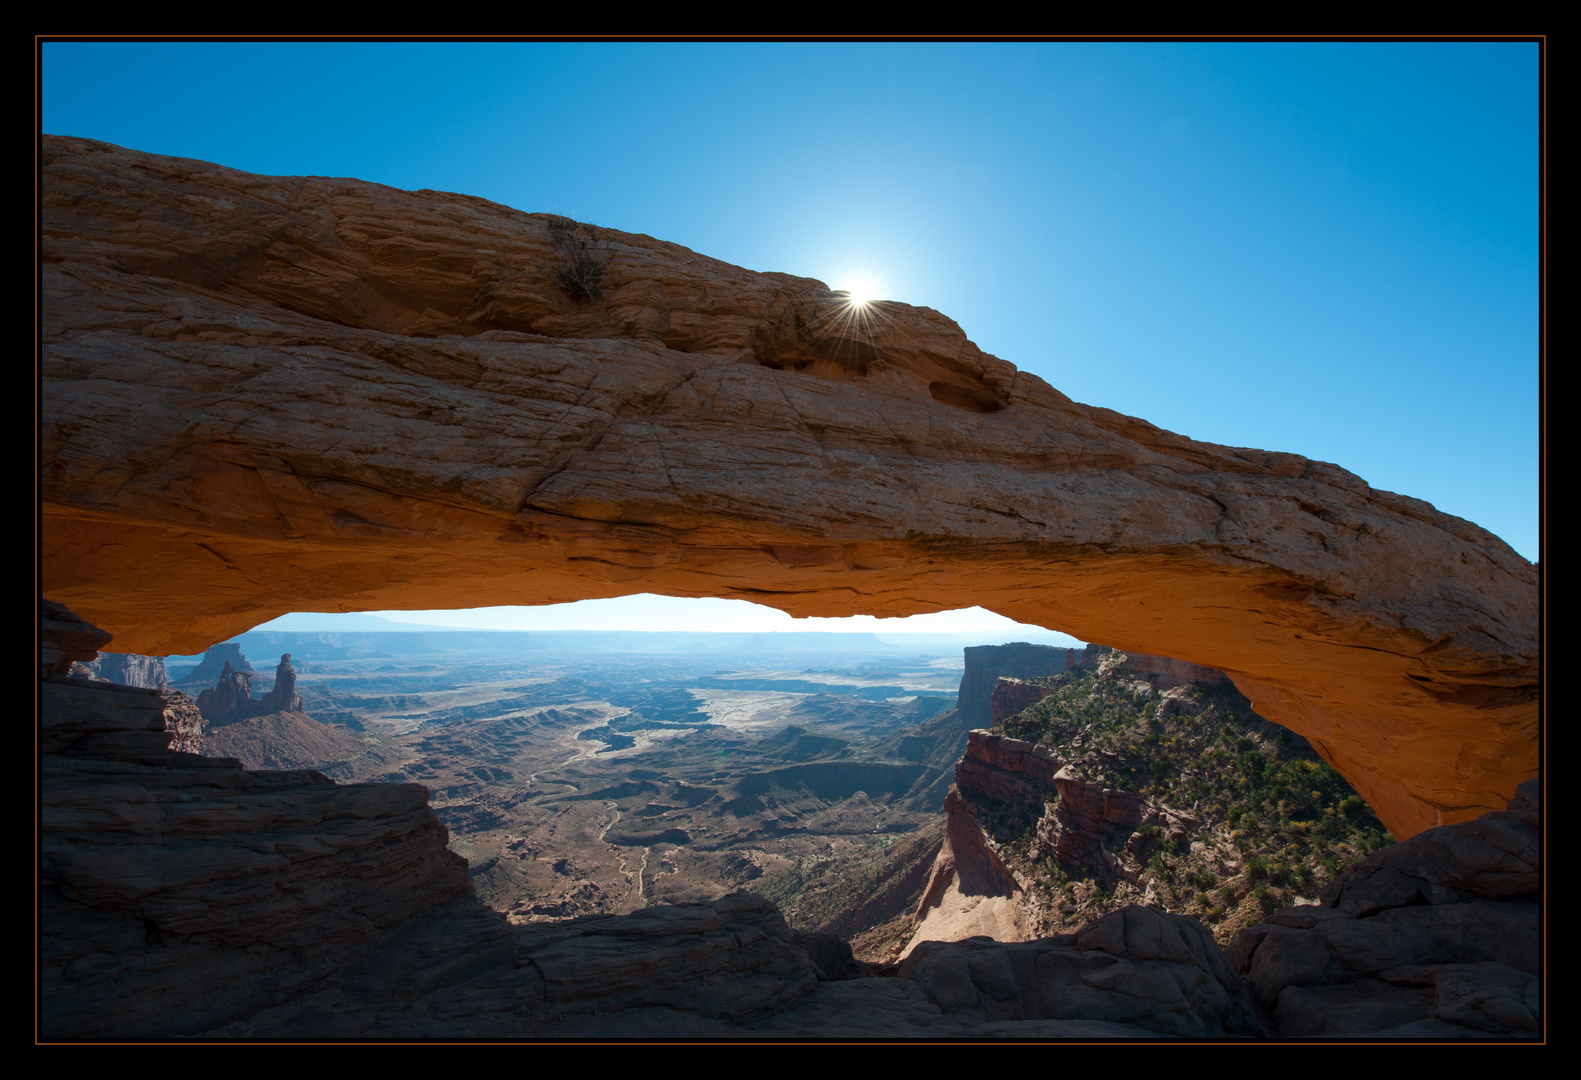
987, 664
278, 394
283, 698
184, 722
1013, 695
230, 699
1089, 821
1006, 770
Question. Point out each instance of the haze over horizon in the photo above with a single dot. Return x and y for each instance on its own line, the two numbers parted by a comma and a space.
646, 612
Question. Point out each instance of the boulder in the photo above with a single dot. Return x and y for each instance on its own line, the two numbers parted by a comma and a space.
1137, 966
1434, 937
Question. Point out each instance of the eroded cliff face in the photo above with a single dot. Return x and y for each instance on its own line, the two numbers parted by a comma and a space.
269, 394
1004, 670
127, 669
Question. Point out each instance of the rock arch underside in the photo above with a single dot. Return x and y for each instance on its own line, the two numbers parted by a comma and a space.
272, 394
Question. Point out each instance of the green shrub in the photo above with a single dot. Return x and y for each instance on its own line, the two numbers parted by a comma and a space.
1353, 808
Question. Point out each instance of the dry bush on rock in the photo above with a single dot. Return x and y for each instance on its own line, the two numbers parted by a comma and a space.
584, 259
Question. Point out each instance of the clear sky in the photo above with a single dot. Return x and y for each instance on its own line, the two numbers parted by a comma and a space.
1323, 248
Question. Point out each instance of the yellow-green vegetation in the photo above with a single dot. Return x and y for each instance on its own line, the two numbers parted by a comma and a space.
1273, 822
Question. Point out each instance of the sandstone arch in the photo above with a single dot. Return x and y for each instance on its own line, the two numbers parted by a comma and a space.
266, 394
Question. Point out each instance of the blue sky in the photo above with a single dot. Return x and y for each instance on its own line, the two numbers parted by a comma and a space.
1323, 248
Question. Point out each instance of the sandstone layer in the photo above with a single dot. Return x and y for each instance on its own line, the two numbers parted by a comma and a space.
1089, 821
273, 394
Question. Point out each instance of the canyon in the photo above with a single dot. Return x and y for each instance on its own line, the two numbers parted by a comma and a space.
186, 896
274, 394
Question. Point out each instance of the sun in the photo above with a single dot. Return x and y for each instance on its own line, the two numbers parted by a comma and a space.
861, 291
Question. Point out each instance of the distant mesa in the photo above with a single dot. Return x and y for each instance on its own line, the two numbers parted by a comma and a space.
216, 659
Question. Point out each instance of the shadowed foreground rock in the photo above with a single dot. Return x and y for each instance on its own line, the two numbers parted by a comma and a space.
1436, 937
732, 969
179, 891
273, 394
184, 896
1139, 966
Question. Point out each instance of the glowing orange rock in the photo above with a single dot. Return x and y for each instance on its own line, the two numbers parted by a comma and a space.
267, 394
